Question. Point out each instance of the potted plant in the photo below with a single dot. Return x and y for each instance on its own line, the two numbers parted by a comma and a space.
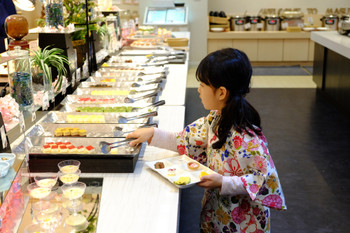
43, 60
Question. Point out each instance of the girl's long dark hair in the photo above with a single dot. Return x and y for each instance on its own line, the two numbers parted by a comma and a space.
231, 68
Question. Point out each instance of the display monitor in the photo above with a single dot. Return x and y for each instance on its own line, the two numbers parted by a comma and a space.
165, 16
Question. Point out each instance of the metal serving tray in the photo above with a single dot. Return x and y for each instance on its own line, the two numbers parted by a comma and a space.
109, 91
123, 161
92, 130
109, 118
88, 99
118, 85
121, 77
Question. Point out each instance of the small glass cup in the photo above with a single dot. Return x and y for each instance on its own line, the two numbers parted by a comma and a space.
77, 221
38, 192
69, 166
33, 228
69, 178
46, 180
47, 214
73, 191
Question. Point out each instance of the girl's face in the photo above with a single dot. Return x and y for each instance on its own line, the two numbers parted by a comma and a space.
210, 97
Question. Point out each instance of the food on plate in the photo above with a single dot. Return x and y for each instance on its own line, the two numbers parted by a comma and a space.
66, 148
67, 132
114, 151
203, 173
90, 149
172, 172
114, 92
97, 101
159, 165
183, 180
104, 109
82, 133
108, 80
100, 85
193, 165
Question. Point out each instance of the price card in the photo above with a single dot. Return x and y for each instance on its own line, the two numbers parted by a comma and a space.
3, 137
301, 25
46, 102
78, 75
27, 145
22, 126
284, 25
247, 26
259, 25
32, 109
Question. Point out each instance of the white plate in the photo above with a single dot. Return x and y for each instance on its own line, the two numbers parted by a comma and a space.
322, 28
217, 29
180, 163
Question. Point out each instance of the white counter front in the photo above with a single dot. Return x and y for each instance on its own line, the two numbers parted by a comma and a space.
333, 41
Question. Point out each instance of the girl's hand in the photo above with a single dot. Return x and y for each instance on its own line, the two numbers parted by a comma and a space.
141, 135
211, 181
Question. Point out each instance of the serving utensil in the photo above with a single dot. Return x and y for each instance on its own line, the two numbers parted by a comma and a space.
107, 146
156, 104
118, 130
124, 120
130, 100
133, 92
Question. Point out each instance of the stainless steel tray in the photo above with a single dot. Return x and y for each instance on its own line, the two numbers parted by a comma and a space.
35, 146
88, 99
121, 77
110, 91
92, 130
80, 117
119, 85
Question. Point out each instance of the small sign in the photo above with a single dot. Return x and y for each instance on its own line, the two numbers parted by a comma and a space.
46, 102
247, 26
78, 74
3, 137
259, 25
64, 86
284, 25
32, 109
73, 78
22, 126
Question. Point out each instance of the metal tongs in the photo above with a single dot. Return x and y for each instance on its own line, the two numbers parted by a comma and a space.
106, 147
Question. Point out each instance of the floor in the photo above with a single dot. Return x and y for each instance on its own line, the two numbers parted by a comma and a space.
309, 142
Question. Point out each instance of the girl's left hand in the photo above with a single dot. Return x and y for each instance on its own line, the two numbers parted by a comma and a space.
211, 181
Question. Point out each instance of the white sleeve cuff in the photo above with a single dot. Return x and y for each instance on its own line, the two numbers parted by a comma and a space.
232, 185
164, 139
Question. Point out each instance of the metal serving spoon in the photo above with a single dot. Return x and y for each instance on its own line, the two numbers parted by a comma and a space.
124, 120
107, 146
118, 130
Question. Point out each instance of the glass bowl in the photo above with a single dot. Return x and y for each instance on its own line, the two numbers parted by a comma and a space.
38, 192
77, 221
69, 166
4, 168
33, 228
69, 178
73, 191
8, 157
46, 180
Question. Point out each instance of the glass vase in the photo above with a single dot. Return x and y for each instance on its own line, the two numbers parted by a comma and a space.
54, 13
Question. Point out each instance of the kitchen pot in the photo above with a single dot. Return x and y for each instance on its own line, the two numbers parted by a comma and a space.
292, 19
272, 23
330, 22
255, 23
344, 25
237, 23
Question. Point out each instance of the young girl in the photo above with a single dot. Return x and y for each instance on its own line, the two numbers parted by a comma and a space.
229, 141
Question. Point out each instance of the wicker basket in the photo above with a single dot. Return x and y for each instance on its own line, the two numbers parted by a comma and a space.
218, 20
177, 42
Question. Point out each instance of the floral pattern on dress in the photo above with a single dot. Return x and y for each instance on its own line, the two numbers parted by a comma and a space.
243, 156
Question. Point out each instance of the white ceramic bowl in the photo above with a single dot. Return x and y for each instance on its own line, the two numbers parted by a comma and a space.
4, 168
217, 29
8, 157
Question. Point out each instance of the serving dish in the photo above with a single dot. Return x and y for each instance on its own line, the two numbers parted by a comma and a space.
88, 99
8, 157
4, 168
123, 159
182, 170
88, 118
92, 130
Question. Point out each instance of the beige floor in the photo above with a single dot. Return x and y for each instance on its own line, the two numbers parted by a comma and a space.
299, 81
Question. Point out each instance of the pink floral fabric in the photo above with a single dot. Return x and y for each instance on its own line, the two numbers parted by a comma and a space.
243, 156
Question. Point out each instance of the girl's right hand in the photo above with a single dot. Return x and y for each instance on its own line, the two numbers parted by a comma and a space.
141, 135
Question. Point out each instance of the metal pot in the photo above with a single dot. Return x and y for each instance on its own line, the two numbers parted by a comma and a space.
292, 19
237, 23
330, 21
255, 23
272, 23
344, 25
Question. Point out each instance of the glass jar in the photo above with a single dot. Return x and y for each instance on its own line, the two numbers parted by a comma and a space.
20, 78
54, 13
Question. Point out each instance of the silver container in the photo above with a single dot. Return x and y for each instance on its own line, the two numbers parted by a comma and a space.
330, 22
344, 25
237, 23
272, 23
255, 23
292, 19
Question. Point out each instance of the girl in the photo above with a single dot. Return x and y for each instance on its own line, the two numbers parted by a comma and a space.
229, 141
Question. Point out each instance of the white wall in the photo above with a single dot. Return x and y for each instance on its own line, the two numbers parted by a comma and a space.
253, 6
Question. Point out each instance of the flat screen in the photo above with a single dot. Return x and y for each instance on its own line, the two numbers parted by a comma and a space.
165, 16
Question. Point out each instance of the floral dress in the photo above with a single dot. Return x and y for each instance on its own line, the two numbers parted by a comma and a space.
242, 156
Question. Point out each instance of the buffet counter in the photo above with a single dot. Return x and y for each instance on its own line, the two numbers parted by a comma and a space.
331, 67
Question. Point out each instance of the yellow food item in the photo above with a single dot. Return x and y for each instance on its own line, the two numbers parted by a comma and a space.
46, 183
69, 178
82, 133
183, 180
40, 192
73, 193
85, 118
115, 92
114, 151
203, 173
69, 169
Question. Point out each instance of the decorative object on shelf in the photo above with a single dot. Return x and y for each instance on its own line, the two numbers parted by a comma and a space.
16, 27
20, 78
9, 109
42, 61
26, 5
54, 13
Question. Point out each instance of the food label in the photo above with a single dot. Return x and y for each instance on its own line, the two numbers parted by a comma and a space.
3, 137
46, 102
64, 86
33, 113
73, 78
78, 75
247, 26
259, 25
21, 122
284, 25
